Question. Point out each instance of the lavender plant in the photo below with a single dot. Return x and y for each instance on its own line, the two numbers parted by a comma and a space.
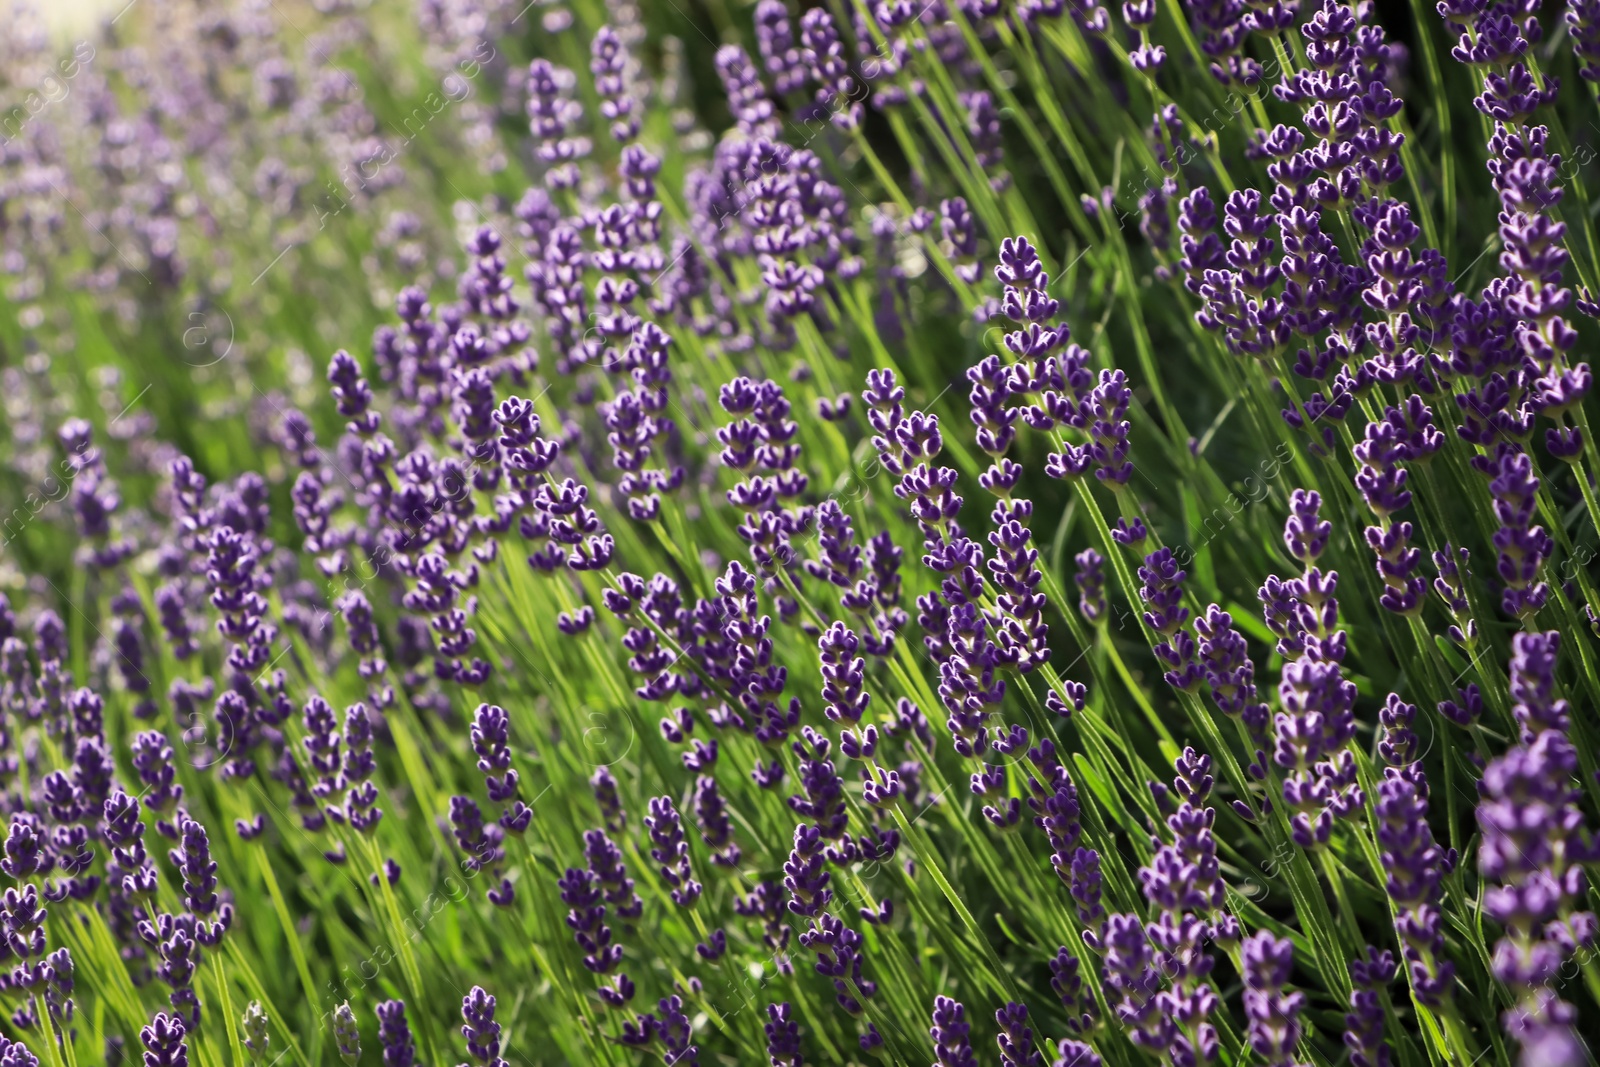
906, 531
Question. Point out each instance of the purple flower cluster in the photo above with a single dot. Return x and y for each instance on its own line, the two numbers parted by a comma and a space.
1522, 545
873, 598
666, 1031
1381, 478
952, 1043
762, 439
1132, 983
1274, 1014
671, 851
479, 1028
754, 680
1534, 844
1363, 1034
1184, 886
1321, 281
1161, 589
1312, 734
1414, 866
551, 115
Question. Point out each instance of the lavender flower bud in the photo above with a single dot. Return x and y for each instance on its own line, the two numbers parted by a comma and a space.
1274, 1015
783, 1036
671, 851
253, 1028
479, 1028
163, 1041
952, 1041
394, 1034
346, 1036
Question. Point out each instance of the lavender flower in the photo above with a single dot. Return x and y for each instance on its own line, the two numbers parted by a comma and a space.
1363, 1033
671, 851
1202, 251
605, 861
550, 117
173, 611
804, 876
1274, 1014
1184, 883
952, 1043
1024, 635
762, 438
1230, 674
394, 1034
843, 675
716, 829
605, 795
1016, 1037
669, 1029
828, 67
754, 680
1055, 805
1067, 983
253, 1031
361, 799
1450, 563
958, 227
1526, 176
16, 1054
482, 843
1085, 888
1317, 722
784, 62
55, 973
1131, 978
983, 129
193, 859
747, 99
1533, 685
1108, 406
482, 1033
823, 802
1382, 482
1522, 546
609, 66
346, 1036
128, 638
1532, 833
491, 740
783, 1036
1583, 25
95, 499
1415, 868
581, 893
1148, 57
236, 581
438, 594
1077, 1054
766, 903
1091, 584
1162, 592
164, 1043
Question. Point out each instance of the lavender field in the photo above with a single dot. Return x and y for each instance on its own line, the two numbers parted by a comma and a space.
1037, 533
